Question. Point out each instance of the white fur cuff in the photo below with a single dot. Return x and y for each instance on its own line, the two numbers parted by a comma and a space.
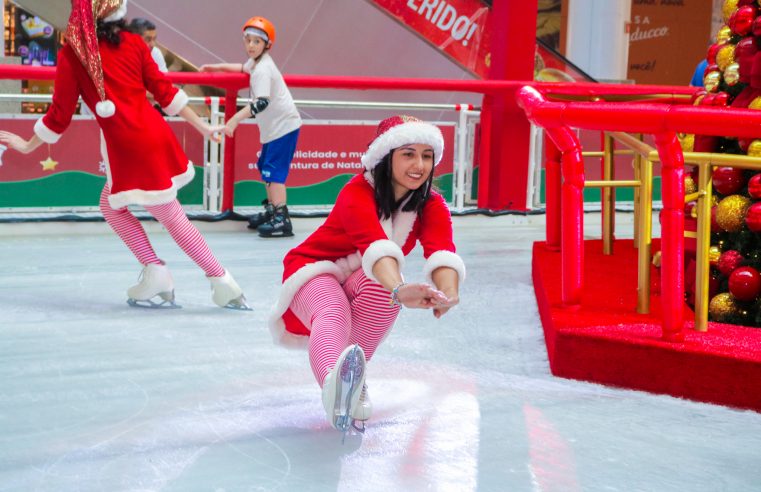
180, 101
444, 258
46, 134
378, 250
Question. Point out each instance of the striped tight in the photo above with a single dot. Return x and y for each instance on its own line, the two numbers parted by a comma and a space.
173, 218
357, 312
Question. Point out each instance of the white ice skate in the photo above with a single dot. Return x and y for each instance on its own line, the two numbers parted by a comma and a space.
342, 389
155, 280
363, 410
225, 292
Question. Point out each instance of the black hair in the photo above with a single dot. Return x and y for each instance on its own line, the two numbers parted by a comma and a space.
110, 31
385, 202
139, 25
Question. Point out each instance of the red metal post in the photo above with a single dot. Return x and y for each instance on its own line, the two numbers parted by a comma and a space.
228, 182
672, 235
552, 180
513, 41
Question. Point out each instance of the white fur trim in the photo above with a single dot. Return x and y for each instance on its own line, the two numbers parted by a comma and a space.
46, 134
444, 258
179, 101
118, 13
412, 132
157, 197
291, 286
105, 109
376, 251
402, 227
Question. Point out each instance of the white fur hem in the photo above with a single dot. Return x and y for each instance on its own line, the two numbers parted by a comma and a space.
157, 197
291, 286
412, 132
444, 258
376, 251
179, 101
46, 134
118, 14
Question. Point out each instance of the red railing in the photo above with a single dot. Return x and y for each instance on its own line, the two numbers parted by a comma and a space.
232, 83
662, 121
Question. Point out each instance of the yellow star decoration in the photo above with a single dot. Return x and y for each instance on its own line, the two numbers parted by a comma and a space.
49, 164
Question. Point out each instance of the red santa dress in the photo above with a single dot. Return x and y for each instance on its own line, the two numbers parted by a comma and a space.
353, 237
145, 163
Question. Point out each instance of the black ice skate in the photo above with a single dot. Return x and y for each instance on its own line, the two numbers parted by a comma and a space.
262, 217
280, 224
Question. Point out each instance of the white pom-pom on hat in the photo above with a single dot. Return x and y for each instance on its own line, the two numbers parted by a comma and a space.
105, 109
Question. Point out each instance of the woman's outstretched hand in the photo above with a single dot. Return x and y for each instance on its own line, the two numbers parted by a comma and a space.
420, 296
13, 141
214, 132
442, 309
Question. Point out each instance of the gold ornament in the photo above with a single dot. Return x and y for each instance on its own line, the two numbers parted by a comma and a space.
687, 141
754, 149
723, 307
725, 56
49, 164
755, 104
694, 211
730, 212
732, 74
714, 252
728, 9
689, 185
724, 35
657, 259
714, 200
711, 81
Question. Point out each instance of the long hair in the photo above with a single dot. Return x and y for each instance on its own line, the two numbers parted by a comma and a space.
385, 203
110, 31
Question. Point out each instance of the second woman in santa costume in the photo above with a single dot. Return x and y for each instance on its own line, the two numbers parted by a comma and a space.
111, 69
343, 287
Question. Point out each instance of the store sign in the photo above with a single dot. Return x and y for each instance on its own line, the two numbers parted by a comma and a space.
459, 28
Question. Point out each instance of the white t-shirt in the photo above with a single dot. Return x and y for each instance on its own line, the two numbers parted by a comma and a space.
158, 57
280, 117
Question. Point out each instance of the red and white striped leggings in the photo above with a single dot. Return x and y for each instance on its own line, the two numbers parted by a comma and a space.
357, 312
173, 218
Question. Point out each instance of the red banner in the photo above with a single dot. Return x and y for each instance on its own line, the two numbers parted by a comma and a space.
459, 28
323, 152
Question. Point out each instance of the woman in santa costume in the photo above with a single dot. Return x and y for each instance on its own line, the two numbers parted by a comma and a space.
111, 69
343, 287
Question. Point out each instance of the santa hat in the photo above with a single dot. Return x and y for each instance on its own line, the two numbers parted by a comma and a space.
398, 131
82, 36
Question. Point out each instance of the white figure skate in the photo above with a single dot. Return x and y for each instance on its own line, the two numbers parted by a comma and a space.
342, 389
363, 410
225, 292
155, 280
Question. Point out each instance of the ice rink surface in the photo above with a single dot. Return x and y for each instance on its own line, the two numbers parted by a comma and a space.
98, 396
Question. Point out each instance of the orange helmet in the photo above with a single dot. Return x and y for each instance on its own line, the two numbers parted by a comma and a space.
264, 25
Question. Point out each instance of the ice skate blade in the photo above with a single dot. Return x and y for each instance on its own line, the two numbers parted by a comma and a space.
238, 304
149, 304
351, 375
272, 236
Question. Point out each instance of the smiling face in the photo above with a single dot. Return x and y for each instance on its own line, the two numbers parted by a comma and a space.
254, 46
411, 165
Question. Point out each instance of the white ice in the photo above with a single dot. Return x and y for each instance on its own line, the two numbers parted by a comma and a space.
98, 396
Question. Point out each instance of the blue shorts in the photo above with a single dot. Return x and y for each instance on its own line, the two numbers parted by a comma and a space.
275, 160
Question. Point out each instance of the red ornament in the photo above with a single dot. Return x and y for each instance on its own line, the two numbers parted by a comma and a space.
729, 261
753, 217
744, 143
728, 180
745, 283
711, 55
741, 21
714, 225
756, 28
720, 99
754, 186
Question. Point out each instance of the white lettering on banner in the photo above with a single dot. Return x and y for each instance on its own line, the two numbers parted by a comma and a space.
445, 17
641, 35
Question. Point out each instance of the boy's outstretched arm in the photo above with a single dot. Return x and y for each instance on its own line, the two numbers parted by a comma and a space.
222, 67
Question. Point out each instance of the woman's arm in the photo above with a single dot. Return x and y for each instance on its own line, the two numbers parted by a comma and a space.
222, 67
212, 132
17, 143
422, 296
447, 280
